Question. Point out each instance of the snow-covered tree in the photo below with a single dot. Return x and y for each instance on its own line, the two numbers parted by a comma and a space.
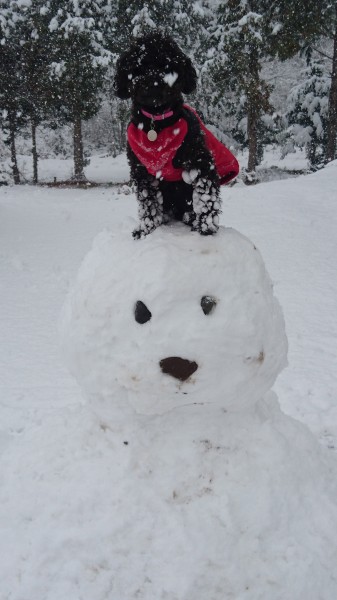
130, 18
180, 18
31, 21
12, 101
55, 60
244, 34
239, 40
267, 128
79, 63
307, 113
330, 29
294, 24
301, 26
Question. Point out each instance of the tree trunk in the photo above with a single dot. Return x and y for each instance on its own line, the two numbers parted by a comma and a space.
34, 152
332, 118
311, 153
252, 119
15, 168
253, 112
78, 150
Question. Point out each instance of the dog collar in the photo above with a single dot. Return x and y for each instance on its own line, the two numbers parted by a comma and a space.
157, 117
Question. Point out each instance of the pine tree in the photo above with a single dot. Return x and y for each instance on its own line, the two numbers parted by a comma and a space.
300, 27
307, 113
332, 117
294, 24
79, 63
32, 31
243, 35
130, 18
239, 36
12, 102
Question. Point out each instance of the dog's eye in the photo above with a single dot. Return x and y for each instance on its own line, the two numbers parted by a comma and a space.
207, 303
142, 313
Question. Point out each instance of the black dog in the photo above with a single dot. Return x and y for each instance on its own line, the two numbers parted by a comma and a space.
176, 163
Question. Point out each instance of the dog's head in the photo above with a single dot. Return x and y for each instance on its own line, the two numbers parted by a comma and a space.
154, 72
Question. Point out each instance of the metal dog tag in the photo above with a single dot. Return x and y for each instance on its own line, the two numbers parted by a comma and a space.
152, 135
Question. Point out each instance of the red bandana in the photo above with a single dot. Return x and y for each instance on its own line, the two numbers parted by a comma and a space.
157, 156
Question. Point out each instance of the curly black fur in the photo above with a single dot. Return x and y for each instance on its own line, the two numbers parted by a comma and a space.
139, 76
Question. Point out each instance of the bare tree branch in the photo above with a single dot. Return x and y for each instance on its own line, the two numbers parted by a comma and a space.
322, 53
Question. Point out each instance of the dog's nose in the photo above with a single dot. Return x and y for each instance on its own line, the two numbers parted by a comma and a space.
180, 368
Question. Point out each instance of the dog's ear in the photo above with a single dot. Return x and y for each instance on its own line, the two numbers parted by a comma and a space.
123, 76
187, 75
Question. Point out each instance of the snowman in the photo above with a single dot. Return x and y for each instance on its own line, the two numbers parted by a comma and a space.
176, 342
173, 320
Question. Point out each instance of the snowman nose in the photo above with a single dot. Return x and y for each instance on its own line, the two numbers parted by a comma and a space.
180, 368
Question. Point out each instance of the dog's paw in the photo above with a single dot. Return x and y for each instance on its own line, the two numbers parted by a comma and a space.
189, 218
206, 224
137, 233
143, 229
204, 231
208, 231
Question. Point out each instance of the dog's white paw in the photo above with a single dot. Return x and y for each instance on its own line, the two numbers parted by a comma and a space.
144, 228
206, 224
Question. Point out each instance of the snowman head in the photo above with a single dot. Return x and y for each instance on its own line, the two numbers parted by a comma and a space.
174, 319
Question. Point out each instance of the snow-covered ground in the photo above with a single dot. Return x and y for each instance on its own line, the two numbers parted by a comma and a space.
61, 467
45, 233
102, 168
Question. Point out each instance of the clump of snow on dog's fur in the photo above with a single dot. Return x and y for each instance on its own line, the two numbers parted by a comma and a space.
170, 78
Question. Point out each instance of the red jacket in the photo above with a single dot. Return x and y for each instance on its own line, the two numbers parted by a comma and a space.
157, 156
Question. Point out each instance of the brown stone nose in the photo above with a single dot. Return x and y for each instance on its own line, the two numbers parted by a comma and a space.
180, 368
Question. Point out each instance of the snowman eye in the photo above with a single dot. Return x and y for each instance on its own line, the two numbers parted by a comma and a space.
207, 303
142, 313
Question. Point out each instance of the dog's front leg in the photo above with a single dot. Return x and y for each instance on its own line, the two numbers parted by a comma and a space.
150, 206
149, 197
206, 204
202, 176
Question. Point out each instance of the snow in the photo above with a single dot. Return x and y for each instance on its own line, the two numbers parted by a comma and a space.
248, 18
276, 28
240, 347
141, 21
232, 498
54, 24
198, 9
57, 69
307, 106
24, 3
102, 168
170, 78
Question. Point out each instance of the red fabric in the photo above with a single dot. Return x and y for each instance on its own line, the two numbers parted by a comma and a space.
157, 156
225, 162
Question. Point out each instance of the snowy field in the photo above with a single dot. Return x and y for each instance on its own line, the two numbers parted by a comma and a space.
103, 168
57, 537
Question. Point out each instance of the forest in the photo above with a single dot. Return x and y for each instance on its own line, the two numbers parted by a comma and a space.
267, 74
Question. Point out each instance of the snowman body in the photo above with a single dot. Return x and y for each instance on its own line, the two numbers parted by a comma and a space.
212, 492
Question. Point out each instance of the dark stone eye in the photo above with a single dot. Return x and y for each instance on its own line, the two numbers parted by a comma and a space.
142, 313
208, 303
